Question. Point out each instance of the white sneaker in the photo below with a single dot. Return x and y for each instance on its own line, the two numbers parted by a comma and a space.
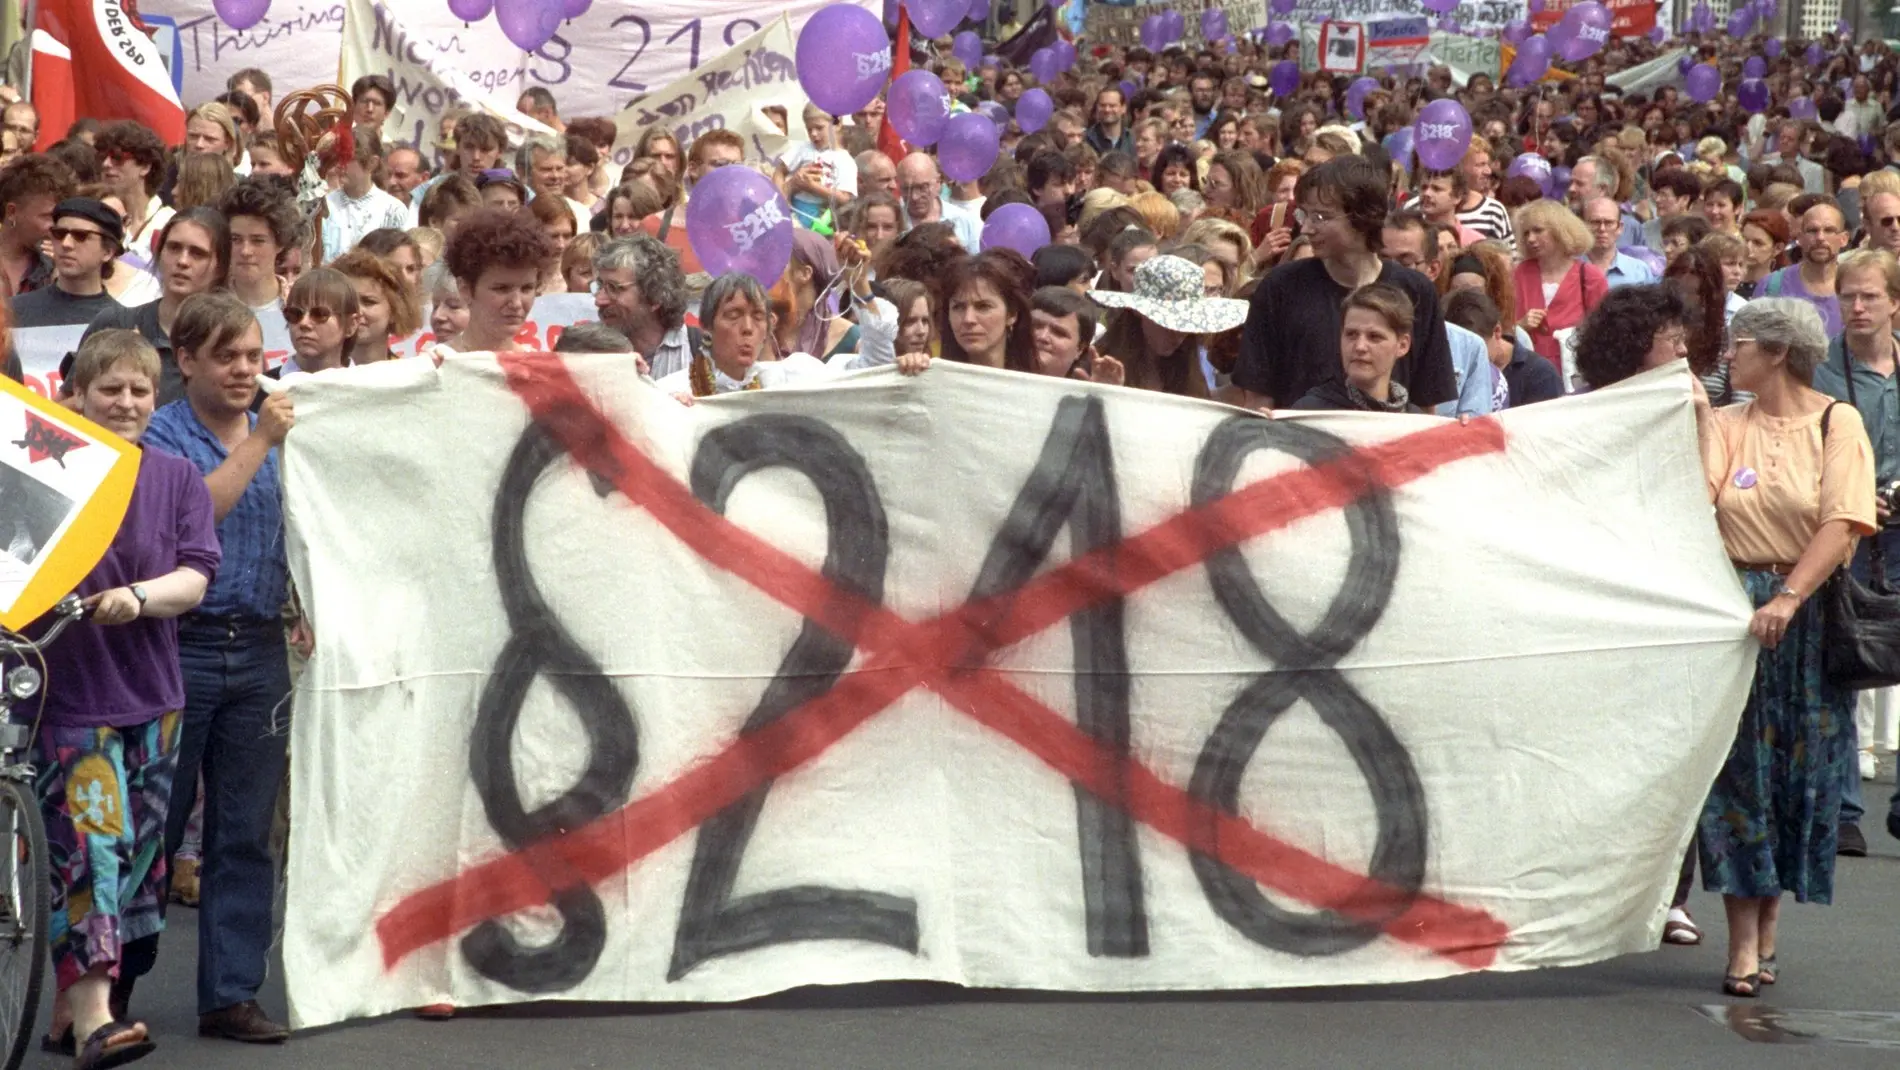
1869, 766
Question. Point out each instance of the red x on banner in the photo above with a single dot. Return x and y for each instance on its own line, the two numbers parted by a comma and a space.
900, 655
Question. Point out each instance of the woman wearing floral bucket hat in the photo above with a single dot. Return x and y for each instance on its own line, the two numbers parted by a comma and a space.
1159, 327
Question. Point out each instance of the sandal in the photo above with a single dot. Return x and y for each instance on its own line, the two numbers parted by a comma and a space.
114, 1044
66, 1044
1681, 931
63, 1044
1747, 987
1766, 970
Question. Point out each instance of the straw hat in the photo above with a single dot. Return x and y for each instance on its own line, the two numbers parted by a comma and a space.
1172, 292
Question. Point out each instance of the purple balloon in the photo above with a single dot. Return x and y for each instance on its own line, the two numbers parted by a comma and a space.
471, 10
1560, 35
1128, 88
1065, 55
1175, 22
1400, 144
1356, 96
995, 111
1844, 28
1534, 6
574, 9
1739, 22
1533, 59
1154, 33
1441, 7
1515, 31
1279, 34
1283, 7
934, 18
1285, 79
1651, 259
529, 23
1752, 95
1802, 108
1686, 63
1657, 35
241, 14
1590, 31
1034, 108
1042, 64
1702, 83
967, 148
1815, 55
1213, 26
918, 106
843, 58
1559, 182
1771, 48
1532, 166
737, 220
968, 47
1016, 226
1754, 67
979, 10
1442, 134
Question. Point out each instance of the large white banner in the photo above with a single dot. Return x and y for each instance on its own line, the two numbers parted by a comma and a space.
969, 677
595, 64
1471, 15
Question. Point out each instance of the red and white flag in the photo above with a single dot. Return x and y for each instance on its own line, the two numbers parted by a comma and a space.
93, 58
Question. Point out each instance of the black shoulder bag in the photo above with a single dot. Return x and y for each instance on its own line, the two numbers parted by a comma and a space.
1860, 645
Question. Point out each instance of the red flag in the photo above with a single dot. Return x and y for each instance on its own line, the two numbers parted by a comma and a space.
110, 70
888, 142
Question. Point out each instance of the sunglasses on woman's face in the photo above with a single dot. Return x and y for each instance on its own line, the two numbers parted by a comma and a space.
318, 316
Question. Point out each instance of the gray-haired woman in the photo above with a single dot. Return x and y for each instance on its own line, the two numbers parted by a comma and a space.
1792, 477
737, 319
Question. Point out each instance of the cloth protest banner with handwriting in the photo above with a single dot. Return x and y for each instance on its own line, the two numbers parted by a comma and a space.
727, 94
968, 677
595, 64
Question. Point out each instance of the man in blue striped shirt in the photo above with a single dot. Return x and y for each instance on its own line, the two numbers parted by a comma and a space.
233, 651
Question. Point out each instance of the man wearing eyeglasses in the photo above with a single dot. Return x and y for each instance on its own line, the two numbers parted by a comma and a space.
1860, 369
1605, 220
640, 291
1291, 340
86, 237
1880, 214
1821, 234
920, 186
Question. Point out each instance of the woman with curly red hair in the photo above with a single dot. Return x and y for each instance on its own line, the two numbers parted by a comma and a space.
497, 259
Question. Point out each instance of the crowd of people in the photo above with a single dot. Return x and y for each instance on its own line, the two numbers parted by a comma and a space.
1210, 238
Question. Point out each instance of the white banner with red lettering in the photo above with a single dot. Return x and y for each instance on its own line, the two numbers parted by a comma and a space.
986, 678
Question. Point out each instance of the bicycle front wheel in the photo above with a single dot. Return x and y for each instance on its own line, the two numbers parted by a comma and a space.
25, 890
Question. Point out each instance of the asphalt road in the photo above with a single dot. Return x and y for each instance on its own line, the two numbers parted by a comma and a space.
1840, 979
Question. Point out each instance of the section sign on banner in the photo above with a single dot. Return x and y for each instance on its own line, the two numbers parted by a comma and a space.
654, 702
727, 94
594, 64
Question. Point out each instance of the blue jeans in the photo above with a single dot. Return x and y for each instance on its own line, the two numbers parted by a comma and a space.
237, 710
1862, 568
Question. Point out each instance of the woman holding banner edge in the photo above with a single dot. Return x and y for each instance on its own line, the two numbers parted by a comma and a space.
1791, 474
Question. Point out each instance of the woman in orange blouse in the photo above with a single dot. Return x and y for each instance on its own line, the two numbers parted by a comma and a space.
1792, 476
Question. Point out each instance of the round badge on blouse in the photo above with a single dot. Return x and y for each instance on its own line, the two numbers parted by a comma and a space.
1745, 478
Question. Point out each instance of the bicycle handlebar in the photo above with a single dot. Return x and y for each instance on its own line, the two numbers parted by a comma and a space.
69, 609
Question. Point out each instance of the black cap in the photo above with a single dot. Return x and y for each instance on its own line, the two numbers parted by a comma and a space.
98, 212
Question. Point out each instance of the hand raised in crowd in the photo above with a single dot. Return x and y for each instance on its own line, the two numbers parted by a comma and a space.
1277, 242
912, 363
1100, 368
116, 606
275, 418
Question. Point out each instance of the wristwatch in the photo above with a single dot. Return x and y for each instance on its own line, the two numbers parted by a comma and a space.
138, 592
1783, 588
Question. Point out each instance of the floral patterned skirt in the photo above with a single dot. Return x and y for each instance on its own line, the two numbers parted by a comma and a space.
104, 793
1770, 824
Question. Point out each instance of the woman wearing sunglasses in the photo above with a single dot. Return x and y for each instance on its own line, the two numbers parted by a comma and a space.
324, 316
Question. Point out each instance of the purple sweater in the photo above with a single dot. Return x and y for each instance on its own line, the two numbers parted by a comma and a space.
128, 674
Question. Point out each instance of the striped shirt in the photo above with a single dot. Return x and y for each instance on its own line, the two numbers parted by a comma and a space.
253, 581
1490, 219
670, 356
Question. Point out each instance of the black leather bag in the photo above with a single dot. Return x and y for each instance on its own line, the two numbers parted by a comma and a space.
1861, 621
